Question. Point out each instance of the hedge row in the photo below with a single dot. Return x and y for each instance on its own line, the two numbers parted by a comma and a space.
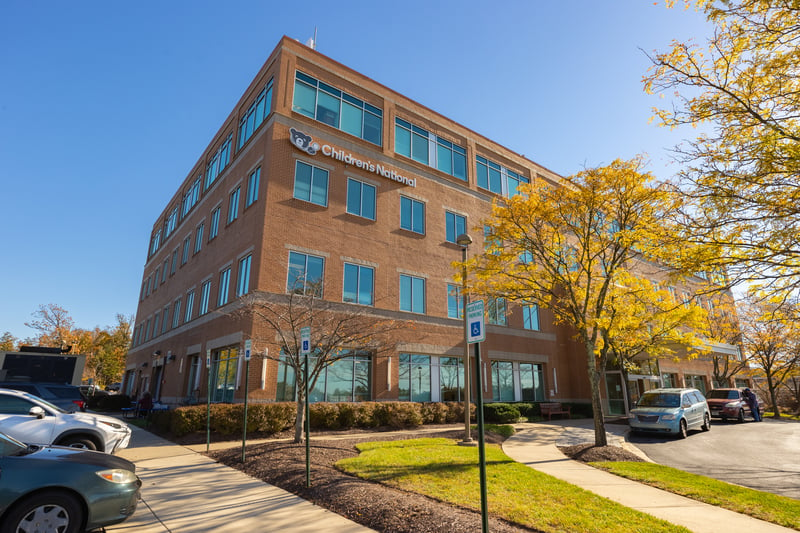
270, 418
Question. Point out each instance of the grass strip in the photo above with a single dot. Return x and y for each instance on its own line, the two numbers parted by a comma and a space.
441, 469
779, 510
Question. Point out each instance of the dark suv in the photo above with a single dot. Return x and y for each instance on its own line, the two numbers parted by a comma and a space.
67, 397
730, 404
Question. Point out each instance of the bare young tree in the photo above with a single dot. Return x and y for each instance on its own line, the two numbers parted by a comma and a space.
53, 324
338, 330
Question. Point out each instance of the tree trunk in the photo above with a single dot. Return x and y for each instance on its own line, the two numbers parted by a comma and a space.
597, 406
773, 396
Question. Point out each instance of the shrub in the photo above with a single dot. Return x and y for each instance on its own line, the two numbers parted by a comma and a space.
500, 413
324, 415
270, 417
185, 420
402, 414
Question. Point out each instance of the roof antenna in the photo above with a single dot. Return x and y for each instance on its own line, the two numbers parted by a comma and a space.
312, 42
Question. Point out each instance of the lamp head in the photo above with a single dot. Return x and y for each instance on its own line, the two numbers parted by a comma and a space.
464, 240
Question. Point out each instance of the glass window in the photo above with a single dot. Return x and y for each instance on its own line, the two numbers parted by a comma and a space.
347, 379
190, 197
205, 294
530, 317
224, 286
218, 161
243, 277
198, 238
451, 379
255, 114
305, 274
223, 373
165, 319
415, 378
187, 245
214, 231
412, 215
360, 199
176, 313
502, 381
325, 103
455, 226
430, 149
155, 242
358, 284
311, 183
155, 324
174, 263
497, 178
252, 187
189, 306
454, 301
163, 272
412, 294
233, 205
496, 311
531, 382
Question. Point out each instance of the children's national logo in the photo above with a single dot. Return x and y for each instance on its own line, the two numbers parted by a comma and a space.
304, 142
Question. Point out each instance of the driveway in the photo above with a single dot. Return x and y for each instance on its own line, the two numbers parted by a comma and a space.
763, 456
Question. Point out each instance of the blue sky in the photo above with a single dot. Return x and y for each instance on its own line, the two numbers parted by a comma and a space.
106, 106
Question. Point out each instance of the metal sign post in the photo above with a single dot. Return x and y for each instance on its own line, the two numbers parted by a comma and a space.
248, 344
208, 401
305, 348
475, 335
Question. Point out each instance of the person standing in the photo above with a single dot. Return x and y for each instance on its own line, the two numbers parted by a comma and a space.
752, 401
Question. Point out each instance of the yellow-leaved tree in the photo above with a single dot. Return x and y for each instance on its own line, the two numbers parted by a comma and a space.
741, 176
584, 249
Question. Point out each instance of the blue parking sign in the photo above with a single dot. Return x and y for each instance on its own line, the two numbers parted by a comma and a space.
476, 326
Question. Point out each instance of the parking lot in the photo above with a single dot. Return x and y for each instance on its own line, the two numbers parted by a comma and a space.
763, 456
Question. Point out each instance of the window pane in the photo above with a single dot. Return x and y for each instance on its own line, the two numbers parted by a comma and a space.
419, 148
351, 119
304, 99
297, 268
365, 284
319, 187
419, 217
405, 293
302, 181
418, 295
406, 213
459, 165
402, 141
495, 184
350, 289
444, 161
328, 109
368, 201
483, 175
353, 197
373, 128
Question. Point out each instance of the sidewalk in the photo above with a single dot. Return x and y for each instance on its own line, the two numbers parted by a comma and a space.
186, 492
535, 445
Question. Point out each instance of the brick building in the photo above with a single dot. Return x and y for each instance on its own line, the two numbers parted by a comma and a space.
322, 172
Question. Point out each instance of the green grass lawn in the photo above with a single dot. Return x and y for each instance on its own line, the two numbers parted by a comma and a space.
442, 469
762, 505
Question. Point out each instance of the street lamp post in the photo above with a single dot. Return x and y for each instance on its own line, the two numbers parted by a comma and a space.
464, 241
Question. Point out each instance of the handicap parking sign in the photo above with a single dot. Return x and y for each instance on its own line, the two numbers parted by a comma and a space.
476, 327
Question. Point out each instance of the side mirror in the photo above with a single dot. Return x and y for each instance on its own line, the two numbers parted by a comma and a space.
36, 411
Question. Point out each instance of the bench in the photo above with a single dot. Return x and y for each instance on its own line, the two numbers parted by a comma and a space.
554, 408
129, 412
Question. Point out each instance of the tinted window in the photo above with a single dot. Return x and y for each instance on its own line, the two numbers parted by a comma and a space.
11, 405
660, 400
65, 393
721, 394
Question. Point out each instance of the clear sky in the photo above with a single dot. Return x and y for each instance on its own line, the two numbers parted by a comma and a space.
105, 106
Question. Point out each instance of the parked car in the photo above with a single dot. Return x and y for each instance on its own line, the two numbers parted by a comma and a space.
67, 397
114, 387
730, 403
673, 411
32, 420
51, 488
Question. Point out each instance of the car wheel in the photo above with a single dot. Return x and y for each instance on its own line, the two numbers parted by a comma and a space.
683, 430
740, 416
706, 423
46, 511
79, 442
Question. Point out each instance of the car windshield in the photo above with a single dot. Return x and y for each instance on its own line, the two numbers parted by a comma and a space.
721, 394
662, 399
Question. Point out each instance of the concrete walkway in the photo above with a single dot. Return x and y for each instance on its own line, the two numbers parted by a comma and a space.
186, 492
535, 445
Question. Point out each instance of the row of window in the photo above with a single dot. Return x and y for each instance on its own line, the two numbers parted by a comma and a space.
170, 263
422, 378
306, 273
311, 185
181, 314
